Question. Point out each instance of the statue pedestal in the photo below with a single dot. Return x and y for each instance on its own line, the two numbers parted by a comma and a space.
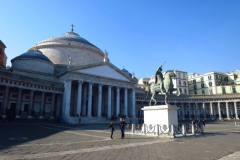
161, 115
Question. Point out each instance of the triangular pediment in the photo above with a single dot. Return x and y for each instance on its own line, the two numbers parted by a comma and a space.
104, 71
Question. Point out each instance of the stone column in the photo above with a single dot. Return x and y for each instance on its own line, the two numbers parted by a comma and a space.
118, 101
126, 102
236, 111
79, 98
182, 108
211, 111
5, 101
190, 110
133, 104
99, 100
84, 100
42, 106
197, 113
30, 104
89, 114
219, 111
204, 110
109, 114
18, 108
67, 98
227, 110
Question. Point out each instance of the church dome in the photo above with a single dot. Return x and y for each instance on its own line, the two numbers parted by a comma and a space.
69, 36
33, 54
126, 72
33, 60
70, 48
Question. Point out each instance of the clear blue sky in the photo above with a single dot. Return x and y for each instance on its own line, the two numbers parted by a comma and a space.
191, 35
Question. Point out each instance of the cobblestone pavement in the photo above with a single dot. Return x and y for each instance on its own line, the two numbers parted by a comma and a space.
64, 141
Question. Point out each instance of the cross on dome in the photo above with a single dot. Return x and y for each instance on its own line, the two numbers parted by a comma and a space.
72, 27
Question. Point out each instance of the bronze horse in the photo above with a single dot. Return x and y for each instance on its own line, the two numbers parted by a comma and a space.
167, 87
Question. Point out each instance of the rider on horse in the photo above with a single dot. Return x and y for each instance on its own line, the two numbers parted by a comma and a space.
159, 78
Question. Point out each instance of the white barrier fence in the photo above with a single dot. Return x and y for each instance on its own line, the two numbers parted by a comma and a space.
173, 131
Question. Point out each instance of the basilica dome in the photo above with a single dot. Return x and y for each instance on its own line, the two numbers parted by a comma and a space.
33, 60
70, 49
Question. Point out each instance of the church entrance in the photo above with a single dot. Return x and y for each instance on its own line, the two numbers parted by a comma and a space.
13, 108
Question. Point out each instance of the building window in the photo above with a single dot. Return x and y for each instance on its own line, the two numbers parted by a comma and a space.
210, 91
210, 84
179, 75
201, 78
234, 89
185, 91
209, 77
203, 92
184, 83
223, 90
194, 81
202, 85
180, 83
184, 75
195, 92
180, 89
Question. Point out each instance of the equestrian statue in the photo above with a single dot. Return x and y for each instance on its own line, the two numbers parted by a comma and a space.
162, 84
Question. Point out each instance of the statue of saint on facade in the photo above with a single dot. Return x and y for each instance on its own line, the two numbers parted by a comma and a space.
105, 59
69, 61
163, 85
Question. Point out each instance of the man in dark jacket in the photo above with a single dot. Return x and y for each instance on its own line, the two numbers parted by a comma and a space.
122, 127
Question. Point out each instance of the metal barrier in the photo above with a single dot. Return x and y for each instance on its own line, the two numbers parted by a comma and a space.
237, 123
189, 129
180, 130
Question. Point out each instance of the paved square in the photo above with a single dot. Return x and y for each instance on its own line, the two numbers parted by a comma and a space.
64, 141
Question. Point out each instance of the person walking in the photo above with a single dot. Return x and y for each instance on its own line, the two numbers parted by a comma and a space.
111, 126
203, 123
122, 127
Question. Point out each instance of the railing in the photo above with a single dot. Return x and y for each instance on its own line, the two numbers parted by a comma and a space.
166, 130
237, 123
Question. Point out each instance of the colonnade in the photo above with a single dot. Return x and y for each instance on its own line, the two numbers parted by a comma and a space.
96, 100
28, 96
206, 110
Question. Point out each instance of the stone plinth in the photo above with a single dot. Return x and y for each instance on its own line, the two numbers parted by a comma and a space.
161, 114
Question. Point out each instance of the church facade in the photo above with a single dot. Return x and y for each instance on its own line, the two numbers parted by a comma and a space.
66, 76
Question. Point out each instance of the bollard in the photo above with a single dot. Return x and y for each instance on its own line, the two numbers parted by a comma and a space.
158, 129
193, 130
184, 130
133, 128
173, 131
143, 129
